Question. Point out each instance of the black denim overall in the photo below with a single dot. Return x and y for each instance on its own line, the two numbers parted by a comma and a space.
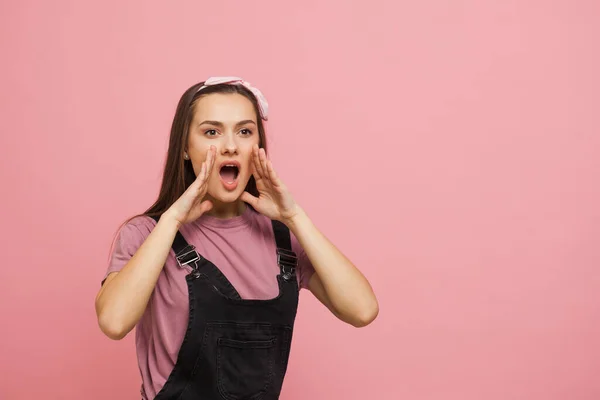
233, 349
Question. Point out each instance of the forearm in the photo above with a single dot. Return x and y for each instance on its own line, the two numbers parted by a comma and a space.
348, 291
122, 300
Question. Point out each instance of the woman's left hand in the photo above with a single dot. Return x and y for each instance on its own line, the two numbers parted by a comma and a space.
274, 200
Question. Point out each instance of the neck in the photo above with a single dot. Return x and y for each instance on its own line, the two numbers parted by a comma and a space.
226, 210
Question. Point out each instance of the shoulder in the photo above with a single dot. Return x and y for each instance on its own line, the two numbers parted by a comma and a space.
138, 225
133, 232
130, 236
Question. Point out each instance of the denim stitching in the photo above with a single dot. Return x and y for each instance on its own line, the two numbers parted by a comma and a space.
262, 392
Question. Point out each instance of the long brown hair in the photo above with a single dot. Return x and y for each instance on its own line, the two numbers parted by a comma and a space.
178, 173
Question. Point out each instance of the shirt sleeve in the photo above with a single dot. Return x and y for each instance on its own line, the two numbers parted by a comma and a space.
129, 239
305, 268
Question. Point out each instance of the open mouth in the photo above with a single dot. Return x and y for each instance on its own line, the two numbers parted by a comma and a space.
229, 173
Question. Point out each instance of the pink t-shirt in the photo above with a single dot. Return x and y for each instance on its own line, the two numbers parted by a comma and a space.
243, 248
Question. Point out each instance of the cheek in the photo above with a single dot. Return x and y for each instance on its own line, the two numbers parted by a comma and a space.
198, 145
198, 152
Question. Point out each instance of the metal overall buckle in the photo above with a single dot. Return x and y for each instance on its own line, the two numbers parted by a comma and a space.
288, 262
187, 256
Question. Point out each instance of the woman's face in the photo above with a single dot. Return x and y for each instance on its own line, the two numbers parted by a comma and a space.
228, 122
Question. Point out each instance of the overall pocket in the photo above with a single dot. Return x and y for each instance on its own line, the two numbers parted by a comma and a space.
245, 368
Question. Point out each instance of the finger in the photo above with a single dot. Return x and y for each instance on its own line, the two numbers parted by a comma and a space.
200, 177
250, 199
272, 174
196, 185
256, 162
263, 163
205, 206
211, 156
256, 175
204, 172
204, 185
207, 165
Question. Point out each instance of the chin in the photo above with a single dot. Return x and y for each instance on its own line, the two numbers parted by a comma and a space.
225, 198
223, 195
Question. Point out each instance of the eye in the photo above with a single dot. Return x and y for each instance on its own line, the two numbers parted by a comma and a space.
210, 132
246, 132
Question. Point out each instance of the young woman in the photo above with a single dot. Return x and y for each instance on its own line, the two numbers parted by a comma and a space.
210, 274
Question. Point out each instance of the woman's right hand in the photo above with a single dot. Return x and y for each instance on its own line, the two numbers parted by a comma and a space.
190, 205
124, 296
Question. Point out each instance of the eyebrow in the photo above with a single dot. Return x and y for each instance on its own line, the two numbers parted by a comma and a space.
220, 124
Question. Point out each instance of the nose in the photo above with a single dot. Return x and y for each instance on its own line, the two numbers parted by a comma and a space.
229, 145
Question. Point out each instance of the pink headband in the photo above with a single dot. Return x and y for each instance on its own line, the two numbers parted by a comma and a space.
232, 80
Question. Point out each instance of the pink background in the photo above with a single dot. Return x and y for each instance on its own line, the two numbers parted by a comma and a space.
458, 140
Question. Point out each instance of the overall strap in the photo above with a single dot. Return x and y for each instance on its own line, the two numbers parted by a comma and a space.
286, 258
184, 252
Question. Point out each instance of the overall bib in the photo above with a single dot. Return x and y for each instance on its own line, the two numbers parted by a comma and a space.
233, 349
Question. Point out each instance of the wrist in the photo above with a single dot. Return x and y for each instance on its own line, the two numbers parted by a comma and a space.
295, 220
167, 218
